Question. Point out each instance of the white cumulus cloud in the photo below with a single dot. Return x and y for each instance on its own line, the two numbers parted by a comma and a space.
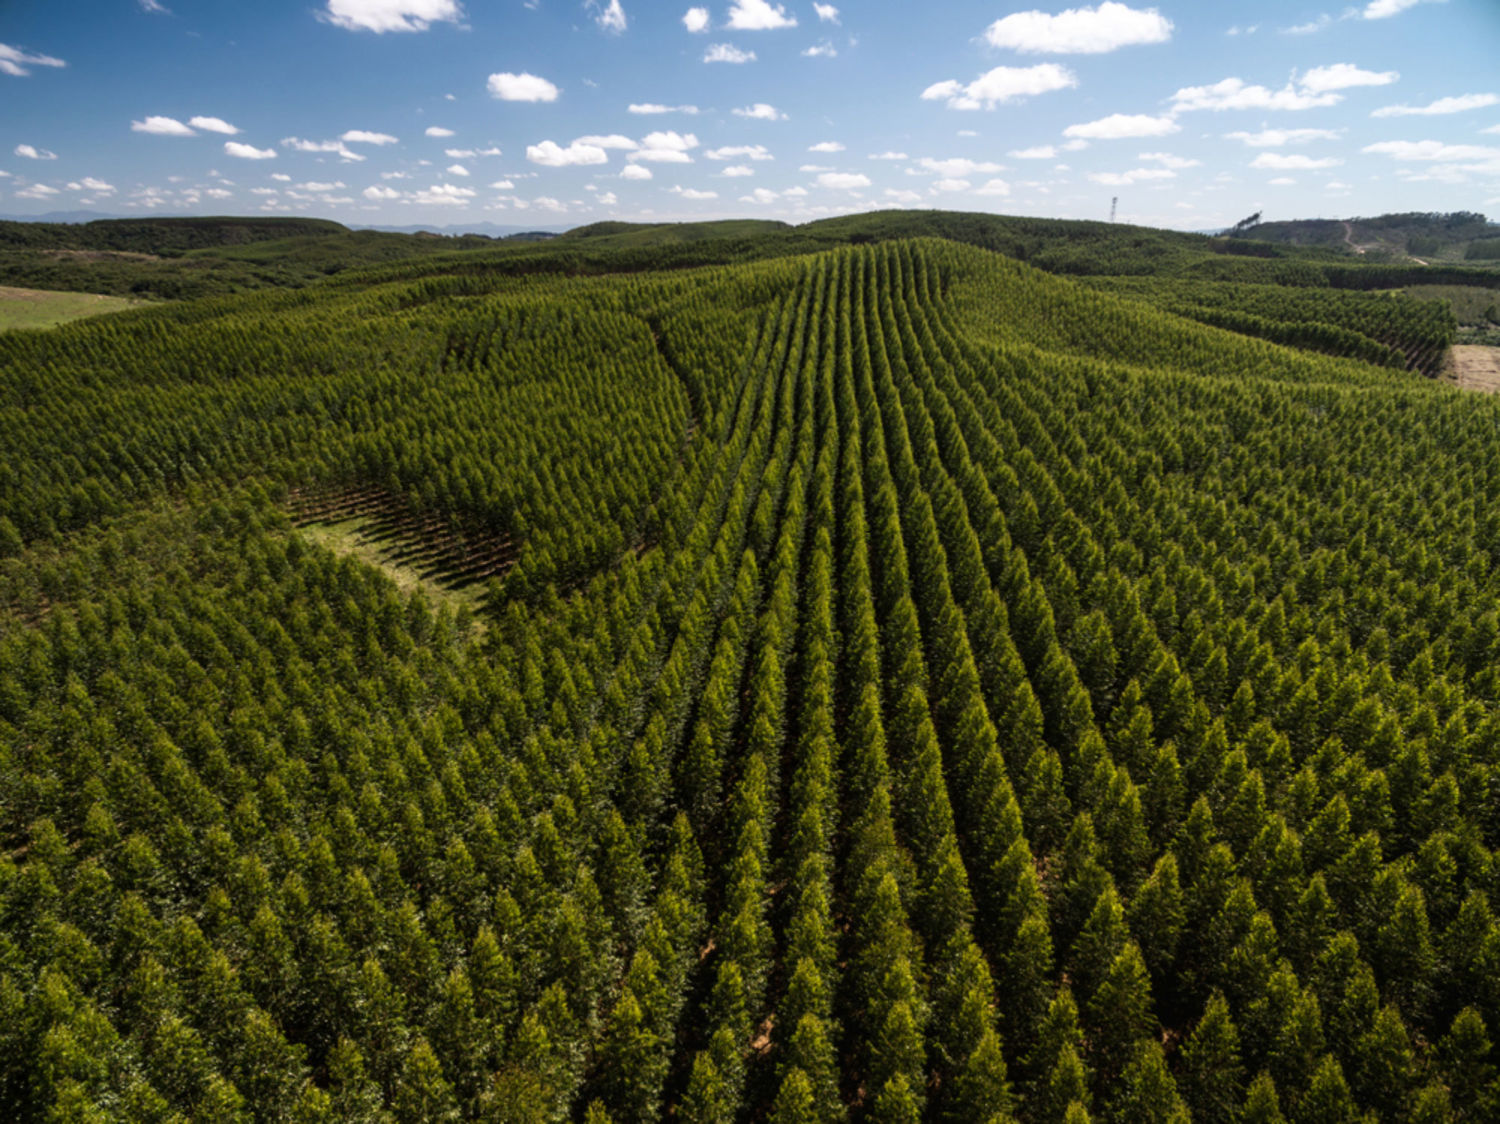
1442, 106
993, 187
666, 147
612, 140
695, 20
457, 170
521, 87
635, 172
444, 195
826, 146
391, 15
1001, 85
727, 52
1135, 175
213, 125
31, 152
1120, 126
1385, 9
1235, 93
1279, 138
843, 181
334, 146
1344, 76
248, 151
17, 63
827, 13
693, 193
162, 127
1168, 160
758, 15
956, 167
738, 170
1080, 31
1288, 162
761, 196
438, 131
552, 155
760, 111
902, 195
1038, 152
888, 155
740, 152
364, 136
823, 50
380, 194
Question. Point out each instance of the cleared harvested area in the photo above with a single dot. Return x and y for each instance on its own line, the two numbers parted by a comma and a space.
1474, 368
39, 308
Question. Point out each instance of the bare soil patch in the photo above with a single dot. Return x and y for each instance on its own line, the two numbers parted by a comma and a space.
1473, 367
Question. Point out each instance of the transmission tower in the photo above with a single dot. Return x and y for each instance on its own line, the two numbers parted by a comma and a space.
1113, 206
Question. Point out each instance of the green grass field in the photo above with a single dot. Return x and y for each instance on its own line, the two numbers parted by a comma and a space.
1471, 303
356, 538
37, 308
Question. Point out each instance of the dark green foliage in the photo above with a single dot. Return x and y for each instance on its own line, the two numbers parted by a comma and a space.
914, 688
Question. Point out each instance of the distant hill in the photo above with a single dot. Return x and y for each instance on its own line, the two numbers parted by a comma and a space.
1416, 235
62, 216
627, 234
159, 235
487, 229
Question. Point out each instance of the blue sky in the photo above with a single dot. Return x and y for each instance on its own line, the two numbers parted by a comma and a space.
561, 112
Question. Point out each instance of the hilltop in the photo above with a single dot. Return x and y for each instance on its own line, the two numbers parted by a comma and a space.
1459, 236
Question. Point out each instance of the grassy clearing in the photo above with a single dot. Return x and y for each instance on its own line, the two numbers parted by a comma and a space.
38, 308
1471, 304
354, 538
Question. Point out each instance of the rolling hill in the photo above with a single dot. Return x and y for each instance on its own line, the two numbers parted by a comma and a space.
907, 684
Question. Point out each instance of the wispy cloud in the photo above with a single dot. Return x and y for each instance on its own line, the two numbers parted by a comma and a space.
17, 63
1460, 104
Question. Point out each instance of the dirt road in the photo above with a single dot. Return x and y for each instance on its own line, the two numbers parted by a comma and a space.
1473, 367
